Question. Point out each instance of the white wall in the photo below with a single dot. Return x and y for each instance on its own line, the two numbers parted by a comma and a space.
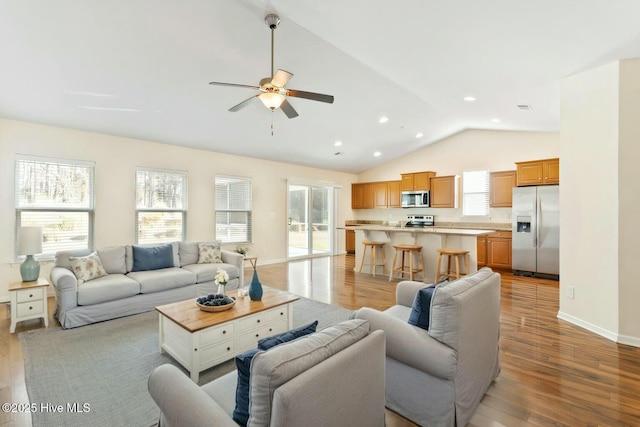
629, 202
116, 161
465, 151
589, 199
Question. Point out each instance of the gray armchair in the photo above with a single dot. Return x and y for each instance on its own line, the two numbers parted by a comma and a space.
437, 377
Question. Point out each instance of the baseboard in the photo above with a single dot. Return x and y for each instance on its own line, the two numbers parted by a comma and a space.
613, 336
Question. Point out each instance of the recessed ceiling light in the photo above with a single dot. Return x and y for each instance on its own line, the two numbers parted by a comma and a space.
469, 98
384, 119
495, 120
419, 135
377, 154
337, 143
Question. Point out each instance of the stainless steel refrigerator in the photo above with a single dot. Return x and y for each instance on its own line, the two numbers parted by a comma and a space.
536, 231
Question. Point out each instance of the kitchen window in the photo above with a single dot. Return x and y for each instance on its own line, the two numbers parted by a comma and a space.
475, 193
57, 195
233, 209
161, 206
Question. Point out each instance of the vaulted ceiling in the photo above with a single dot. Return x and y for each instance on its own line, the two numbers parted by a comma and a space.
140, 68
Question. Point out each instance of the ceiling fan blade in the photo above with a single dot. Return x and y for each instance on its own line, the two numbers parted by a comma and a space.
288, 109
281, 78
233, 85
310, 95
242, 104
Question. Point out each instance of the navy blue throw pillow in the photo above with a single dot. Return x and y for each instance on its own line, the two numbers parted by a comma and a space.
152, 258
420, 309
267, 343
243, 363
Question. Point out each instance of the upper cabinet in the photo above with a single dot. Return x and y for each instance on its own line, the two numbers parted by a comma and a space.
444, 191
417, 181
500, 188
538, 172
368, 195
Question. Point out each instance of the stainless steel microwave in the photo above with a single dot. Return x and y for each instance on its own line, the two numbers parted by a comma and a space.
415, 199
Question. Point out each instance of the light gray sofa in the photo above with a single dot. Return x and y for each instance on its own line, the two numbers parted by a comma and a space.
437, 377
334, 377
123, 292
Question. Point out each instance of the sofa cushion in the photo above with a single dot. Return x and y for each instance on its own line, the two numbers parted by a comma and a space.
209, 253
421, 306
207, 272
113, 259
445, 306
243, 363
107, 288
129, 254
162, 279
274, 340
153, 258
188, 252
62, 257
270, 369
87, 267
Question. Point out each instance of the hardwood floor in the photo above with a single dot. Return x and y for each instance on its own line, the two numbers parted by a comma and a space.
553, 373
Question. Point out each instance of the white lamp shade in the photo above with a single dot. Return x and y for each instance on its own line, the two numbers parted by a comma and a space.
271, 100
30, 240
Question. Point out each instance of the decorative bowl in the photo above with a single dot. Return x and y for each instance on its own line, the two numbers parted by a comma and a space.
216, 308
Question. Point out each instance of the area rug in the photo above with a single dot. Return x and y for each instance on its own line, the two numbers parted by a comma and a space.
96, 375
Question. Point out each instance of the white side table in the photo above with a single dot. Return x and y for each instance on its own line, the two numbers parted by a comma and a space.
28, 301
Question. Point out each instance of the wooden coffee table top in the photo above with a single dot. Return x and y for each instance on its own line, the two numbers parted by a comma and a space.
190, 317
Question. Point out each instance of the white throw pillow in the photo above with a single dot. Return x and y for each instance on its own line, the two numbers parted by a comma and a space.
87, 267
209, 253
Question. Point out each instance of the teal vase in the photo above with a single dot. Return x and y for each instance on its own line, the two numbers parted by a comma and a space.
30, 269
255, 288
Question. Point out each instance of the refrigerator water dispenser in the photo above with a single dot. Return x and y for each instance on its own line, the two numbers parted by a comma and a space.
523, 224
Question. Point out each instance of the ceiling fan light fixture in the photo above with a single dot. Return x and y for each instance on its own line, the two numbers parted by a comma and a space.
271, 100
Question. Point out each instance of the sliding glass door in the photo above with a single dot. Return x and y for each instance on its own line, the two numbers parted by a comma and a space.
309, 221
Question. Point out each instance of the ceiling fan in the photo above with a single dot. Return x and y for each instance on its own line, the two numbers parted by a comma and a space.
273, 91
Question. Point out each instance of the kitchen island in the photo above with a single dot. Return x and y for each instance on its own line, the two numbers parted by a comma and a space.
430, 238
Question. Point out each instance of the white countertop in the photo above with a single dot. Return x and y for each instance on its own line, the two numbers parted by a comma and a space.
432, 230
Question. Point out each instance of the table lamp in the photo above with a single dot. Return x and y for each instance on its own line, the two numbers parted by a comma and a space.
29, 244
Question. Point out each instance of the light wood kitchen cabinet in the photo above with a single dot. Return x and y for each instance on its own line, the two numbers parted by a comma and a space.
417, 181
499, 250
538, 172
394, 194
482, 251
381, 194
494, 250
444, 191
350, 242
501, 188
368, 195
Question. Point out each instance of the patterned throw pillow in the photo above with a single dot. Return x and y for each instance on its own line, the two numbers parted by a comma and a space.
209, 253
87, 267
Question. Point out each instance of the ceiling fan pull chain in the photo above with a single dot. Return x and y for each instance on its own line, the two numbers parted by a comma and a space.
272, 133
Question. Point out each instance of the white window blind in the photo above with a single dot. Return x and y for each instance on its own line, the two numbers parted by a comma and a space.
233, 209
475, 193
56, 195
161, 206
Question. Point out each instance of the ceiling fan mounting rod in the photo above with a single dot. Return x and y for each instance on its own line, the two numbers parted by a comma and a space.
272, 21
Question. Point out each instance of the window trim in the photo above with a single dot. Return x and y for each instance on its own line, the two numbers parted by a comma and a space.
90, 210
249, 236
184, 210
486, 193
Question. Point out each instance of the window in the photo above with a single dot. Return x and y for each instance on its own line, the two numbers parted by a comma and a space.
161, 206
475, 193
56, 195
233, 209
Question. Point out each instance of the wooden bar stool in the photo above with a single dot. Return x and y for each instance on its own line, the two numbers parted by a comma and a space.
452, 253
373, 256
403, 268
